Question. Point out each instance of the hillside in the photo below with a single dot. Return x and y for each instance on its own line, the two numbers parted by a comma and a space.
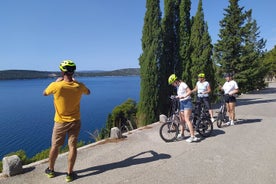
32, 74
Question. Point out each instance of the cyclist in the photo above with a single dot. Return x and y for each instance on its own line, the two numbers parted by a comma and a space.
183, 94
203, 89
230, 88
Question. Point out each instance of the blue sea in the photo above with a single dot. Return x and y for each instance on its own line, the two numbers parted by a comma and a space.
26, 116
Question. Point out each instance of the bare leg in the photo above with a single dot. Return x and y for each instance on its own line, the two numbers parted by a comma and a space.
232, 110
182, 123
53, 156
211, 113
72, 158
187, 114
228, 110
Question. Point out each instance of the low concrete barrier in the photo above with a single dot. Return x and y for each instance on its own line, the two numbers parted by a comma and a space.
115, 133
12, 165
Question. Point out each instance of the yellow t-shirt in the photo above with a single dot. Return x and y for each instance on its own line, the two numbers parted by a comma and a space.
67, 96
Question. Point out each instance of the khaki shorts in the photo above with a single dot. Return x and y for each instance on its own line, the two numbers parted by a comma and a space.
61, 129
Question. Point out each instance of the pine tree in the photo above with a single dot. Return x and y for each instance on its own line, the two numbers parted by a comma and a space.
250, 71
239, 51
269, 61
228, 48
201, 49
149, 61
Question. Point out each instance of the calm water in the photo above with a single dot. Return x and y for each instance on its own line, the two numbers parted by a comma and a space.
26, 116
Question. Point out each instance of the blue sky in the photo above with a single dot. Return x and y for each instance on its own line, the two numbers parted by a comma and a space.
96, 34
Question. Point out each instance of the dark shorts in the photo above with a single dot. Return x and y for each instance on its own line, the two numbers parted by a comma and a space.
206, 101
229, 99
61, 129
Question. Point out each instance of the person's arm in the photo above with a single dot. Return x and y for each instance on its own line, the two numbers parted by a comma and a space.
235, 91
88, 91
85, 90
194, 90
208, 90
44, 93
49, 90
188, 93
220, 87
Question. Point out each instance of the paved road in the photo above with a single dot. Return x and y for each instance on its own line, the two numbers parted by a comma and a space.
240, 154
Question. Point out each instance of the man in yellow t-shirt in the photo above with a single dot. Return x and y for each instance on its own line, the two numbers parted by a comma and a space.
67, 95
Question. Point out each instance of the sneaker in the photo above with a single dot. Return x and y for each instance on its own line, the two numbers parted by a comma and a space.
232, 123
192, 139
180, 137
228, 123
213, 120
70, 177
50, 173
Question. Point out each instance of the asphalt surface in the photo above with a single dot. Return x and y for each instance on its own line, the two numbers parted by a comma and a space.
240, 154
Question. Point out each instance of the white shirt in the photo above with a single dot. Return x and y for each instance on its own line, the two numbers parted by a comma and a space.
181, 91
229, 86
202, 87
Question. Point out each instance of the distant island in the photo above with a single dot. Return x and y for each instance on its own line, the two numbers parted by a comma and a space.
33, 74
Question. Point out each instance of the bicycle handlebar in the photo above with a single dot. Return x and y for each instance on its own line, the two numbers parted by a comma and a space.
172, 97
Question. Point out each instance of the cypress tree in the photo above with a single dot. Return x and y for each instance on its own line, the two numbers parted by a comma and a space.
184, 35
201, 48
149, 61
170, 54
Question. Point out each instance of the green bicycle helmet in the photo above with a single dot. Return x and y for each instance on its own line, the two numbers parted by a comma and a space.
172, 79
67, 66
201, 75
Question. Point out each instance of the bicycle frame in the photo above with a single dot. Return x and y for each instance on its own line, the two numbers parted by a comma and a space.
221, 117
170, 129
201, 120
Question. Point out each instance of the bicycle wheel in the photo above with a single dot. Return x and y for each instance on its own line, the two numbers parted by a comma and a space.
169, 131
220, 120
204, 127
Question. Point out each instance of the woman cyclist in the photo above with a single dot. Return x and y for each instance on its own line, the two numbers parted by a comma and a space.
203, 89
183, 94
230, 88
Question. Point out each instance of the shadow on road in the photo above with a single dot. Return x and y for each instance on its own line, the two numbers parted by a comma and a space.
29, 169
133, 160
241, 102
269, 90
248, 121
217, 132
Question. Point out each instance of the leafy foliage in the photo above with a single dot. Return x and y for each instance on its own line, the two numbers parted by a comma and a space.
184, 42
123, 112
201, 49
148, 107
239, 50
269, 61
